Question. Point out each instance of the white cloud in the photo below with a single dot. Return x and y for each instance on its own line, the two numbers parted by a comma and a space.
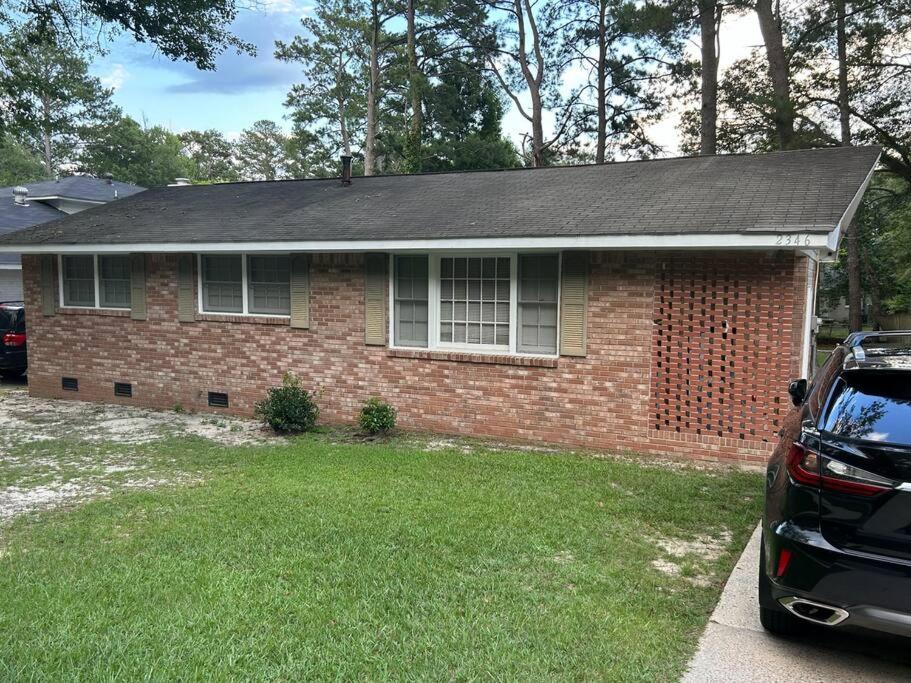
115, 78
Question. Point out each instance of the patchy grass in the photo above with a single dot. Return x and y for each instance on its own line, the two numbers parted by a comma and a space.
317, 559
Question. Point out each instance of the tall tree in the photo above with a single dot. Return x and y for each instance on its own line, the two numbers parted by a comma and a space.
18, 164
130, 152
193, 30
265, 152
330, 102
710, 13
49, 96
770, 23
628, 51
415, 88
211, 156
526, 59
463, 118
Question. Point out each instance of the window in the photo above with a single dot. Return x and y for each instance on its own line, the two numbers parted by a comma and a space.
95, 281
114, 281
223, 284
249, 285
538, 303
474, 300
269, 285
499, 303
411, 319
79, 281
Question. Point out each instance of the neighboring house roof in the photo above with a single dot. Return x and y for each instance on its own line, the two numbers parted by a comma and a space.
38, 211
697, 200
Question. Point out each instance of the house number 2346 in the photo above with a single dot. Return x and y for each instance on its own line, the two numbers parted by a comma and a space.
793, 240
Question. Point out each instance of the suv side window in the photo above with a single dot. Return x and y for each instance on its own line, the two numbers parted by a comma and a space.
20, 322
822, 383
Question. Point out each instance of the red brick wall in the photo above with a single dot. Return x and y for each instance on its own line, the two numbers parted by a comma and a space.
656, 379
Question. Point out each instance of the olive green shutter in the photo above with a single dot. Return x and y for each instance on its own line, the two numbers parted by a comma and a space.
375, 299
48, 291
138, 286
186, 306
300, 291
573, 302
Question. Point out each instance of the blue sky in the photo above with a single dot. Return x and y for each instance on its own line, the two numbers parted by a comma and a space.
240, 91
244, 89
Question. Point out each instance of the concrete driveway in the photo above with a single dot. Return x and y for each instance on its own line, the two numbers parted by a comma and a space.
735, 647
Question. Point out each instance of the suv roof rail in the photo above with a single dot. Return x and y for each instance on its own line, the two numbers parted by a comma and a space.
17, 302
857, 338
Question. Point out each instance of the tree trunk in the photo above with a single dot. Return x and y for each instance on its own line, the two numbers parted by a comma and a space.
372, 89
342, 113
413, 153
770, 25
876, 304
601, 140
47, 136
855, 287
844, 104
855, 296
537, 130
709, 19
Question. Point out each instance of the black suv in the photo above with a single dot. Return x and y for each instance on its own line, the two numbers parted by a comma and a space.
836, 547
13, 361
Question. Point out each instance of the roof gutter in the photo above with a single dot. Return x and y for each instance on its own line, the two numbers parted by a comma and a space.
804, 242
846, 218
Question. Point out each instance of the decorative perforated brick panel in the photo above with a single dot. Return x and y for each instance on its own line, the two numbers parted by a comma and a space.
726, 338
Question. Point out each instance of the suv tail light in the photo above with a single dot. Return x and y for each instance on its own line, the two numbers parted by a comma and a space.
809, 468
14, 339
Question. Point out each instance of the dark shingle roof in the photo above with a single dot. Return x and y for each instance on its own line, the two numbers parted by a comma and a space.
14, 217
806, 191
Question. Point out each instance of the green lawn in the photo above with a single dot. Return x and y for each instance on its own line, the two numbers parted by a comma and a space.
327, 559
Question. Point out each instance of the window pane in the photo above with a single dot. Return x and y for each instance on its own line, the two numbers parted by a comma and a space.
410, 311
269, 285
222, 284
473, 291
538, 303
78, 280
114, 281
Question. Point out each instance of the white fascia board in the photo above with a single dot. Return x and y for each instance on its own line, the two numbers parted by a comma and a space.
792, 241
10, 266
842, 225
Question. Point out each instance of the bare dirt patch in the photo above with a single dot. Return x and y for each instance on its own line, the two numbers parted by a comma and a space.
691, 558
56, 453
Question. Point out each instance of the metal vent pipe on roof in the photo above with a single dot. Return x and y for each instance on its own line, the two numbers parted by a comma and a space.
20, 195
346, 169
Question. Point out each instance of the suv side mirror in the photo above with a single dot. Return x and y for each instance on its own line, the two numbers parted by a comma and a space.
798, 391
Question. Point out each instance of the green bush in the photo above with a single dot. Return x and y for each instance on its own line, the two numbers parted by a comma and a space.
289, 408
377, 417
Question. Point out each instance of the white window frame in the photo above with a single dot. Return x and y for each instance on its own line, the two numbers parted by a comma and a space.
433, 304
97, 305
245, 293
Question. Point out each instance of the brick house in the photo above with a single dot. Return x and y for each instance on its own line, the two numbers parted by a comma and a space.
658, 306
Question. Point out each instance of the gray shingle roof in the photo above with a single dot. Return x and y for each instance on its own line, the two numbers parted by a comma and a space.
805, 191
15, 217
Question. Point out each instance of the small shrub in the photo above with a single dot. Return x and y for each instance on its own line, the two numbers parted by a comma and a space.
377, 417
289, 408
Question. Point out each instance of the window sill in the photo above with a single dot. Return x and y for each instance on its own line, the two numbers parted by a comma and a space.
240, 318
110, 312
483, 358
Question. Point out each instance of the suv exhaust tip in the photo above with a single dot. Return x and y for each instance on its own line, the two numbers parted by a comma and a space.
817, 612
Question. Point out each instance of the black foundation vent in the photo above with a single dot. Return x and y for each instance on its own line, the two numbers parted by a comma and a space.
218, 399
124, 389
69, 383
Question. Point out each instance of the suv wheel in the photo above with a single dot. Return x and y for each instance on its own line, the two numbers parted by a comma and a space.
776, 619
12, 374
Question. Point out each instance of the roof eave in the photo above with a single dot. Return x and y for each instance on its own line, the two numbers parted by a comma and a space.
812, 243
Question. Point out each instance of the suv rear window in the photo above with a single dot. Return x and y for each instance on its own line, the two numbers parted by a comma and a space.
875, 406
8, 318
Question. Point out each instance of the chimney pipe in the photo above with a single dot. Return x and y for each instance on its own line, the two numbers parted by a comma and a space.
346, 169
